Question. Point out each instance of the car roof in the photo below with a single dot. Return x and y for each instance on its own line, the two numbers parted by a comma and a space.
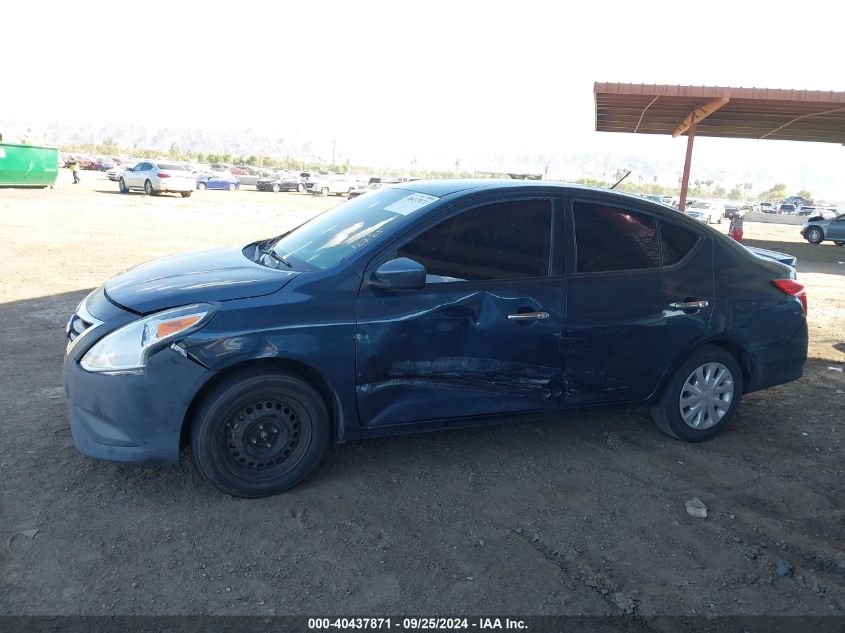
446, 187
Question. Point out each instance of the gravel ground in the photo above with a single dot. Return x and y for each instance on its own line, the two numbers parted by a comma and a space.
582, 516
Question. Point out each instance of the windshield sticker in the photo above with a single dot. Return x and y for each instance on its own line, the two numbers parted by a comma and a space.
411, 203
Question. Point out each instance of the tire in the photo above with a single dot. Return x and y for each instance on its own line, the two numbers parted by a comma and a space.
324, 191
708, 361
121, 184
148, 188
815, 235
232, 187
300, 188
186, 194
202, 186
233, 422
839, 242
276, 188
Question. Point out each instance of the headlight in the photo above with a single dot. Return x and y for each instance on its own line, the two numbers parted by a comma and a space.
127, 348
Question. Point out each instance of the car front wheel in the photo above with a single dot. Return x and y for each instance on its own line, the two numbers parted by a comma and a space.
202, 186
258, 433
701, 397
186, 194
300, 188
232, 186
815, 235
276, 188
121, 184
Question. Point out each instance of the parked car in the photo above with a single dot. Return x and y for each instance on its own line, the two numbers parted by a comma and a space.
767, 207
706, 211
281, 182
114, 173
218, 180
787, 209
424, 306
806, 211
154, 178
362, 189
335, 184
820, 228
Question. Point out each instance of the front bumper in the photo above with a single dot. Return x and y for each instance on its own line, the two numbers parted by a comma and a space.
133, 418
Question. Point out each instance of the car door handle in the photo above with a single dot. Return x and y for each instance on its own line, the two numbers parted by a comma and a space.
689, 305
528, 316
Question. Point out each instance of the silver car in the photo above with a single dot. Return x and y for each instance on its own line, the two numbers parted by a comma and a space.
153, 178
706, 211
818, 229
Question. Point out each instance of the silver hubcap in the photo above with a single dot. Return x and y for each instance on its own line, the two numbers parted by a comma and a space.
706, 395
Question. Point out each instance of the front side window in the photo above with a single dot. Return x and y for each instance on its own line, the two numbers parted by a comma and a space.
610, 239
503, 240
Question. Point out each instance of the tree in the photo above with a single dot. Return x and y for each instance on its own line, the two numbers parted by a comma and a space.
735, 193
719, 191
175, 153
777, 191
805, 194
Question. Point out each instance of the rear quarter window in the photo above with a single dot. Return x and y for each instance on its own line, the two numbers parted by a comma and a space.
676, 242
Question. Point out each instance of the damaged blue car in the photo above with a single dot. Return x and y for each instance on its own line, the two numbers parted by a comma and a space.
421, 306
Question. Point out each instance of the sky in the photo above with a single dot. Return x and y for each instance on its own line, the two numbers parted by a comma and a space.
455, 77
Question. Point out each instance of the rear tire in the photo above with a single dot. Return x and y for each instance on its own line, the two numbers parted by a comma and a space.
202, 186
815, 235
300, 188
839, 242
702, 396
186, 194
148, 188
324, 191
276, 188
258, 433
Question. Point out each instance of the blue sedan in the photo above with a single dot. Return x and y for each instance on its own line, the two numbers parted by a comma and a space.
422, 306
218, 181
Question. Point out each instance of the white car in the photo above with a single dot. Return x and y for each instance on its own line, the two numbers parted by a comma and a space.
333, 184
706, 211
155, 177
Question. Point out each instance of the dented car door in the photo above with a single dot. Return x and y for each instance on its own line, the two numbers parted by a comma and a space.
483, 336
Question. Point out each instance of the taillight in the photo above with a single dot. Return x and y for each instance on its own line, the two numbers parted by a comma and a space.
163, 175
793, 289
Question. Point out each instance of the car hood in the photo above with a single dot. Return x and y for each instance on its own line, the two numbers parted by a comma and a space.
219, 274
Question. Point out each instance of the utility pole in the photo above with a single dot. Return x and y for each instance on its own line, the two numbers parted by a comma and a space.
334, 147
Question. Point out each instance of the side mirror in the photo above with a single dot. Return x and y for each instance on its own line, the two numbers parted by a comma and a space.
399, 274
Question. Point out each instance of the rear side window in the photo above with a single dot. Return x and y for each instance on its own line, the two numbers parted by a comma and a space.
676, 242
608, 239
505, 240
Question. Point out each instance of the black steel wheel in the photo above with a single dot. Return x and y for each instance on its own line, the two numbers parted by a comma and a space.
259, 433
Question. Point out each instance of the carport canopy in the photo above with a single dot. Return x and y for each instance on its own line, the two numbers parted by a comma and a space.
752, 113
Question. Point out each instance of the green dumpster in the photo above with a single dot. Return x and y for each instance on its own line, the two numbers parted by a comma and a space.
28, 165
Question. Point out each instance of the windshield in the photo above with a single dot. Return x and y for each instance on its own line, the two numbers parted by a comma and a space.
337, 233
700, 205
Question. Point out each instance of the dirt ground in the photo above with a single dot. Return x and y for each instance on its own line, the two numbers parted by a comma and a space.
581, 516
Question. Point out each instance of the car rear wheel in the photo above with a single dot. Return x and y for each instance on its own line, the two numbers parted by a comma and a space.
324, 191
202, 186
259, 433
148, 188
276, 188
839, 242
186, 194
701, 397
232, 187
815, 235
300, 188
121, 184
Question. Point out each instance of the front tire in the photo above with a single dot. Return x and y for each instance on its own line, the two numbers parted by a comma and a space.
232, 187
702, 396
258, 433
324, 191
276, 188
121, 184
202, 186
815, 235
186, 194
300, 188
